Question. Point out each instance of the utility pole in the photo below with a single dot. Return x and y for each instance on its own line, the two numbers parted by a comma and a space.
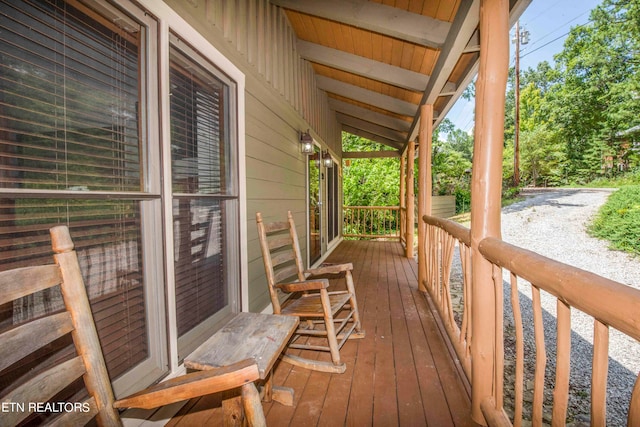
520, 38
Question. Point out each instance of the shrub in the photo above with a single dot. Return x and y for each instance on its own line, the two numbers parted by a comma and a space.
618, 220
463, 200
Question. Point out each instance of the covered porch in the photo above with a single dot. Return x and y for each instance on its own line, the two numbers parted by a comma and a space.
285, 75
402, 373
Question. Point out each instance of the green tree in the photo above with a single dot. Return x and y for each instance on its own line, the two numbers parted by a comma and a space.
541, 151
598, 91
542, 154
369, 182
451, 163
542, 157
451, 158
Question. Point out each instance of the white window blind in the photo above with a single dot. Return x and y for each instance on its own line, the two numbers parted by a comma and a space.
70, 127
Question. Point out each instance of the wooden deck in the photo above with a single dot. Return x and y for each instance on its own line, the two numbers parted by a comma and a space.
401, 374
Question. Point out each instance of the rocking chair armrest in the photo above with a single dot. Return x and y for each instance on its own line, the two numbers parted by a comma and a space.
330, 269
192, 385
307, 285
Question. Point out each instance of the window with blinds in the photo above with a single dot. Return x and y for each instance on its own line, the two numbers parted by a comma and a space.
82, 144
71, 128
203, 191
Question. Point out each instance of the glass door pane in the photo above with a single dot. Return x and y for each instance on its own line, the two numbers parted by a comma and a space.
315, 207
333, 206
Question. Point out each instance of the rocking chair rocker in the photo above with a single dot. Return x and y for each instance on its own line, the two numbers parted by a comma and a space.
310, 299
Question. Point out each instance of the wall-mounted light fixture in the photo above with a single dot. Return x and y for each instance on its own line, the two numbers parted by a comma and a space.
306, 143
327, 160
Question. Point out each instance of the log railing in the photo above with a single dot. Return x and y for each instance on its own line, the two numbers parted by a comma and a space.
610, 304
441, 238
403, 225
371, 222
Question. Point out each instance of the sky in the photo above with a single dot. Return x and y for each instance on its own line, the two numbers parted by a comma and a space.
548, 23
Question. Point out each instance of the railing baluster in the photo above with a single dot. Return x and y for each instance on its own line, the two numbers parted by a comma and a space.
634, 406
446, 275
499, 337
465, 258
438, 258
372, 222
563, 358
430, 250
436, 266
599, 374
519, 367
541, 357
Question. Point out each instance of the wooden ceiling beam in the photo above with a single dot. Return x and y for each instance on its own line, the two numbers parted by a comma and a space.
388, 20
369, 115
370, 154
374, 128
373, 137
366, 96
463, 27
362, 66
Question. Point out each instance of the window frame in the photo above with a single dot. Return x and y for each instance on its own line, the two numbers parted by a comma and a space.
229, 196
171, 22
149, 197
155, 197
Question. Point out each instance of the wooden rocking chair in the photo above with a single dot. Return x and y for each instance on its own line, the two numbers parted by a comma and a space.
25, 339
337, 311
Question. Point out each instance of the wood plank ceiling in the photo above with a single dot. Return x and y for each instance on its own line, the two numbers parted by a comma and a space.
379, 60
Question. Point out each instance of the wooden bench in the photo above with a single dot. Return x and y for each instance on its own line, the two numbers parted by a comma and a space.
255, 336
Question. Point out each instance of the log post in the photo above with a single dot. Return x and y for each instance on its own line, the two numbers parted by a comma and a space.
424, 187
411, 201
486, 188
403, 202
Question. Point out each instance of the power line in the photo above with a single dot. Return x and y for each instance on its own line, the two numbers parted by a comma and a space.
558, 28
556, 39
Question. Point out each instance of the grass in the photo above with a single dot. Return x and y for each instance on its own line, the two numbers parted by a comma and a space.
629, 178
618, 220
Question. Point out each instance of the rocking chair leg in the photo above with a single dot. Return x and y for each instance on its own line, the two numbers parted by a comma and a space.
354, 303
331, 330
252, 406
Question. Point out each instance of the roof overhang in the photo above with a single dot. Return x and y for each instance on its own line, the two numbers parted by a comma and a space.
378, 63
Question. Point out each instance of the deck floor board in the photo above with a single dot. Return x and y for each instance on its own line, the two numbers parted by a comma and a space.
401, 374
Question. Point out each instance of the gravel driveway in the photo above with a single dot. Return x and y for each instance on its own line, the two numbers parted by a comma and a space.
553, 224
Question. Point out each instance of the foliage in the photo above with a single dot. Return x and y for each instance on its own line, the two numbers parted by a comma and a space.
369, 182
631, 178
463, 200
451, 163
577, 109
374, 182
619, 220
597, 94
542, 157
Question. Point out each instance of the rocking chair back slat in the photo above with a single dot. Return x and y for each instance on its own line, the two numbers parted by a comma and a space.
25, 339
42, 388
25, 281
